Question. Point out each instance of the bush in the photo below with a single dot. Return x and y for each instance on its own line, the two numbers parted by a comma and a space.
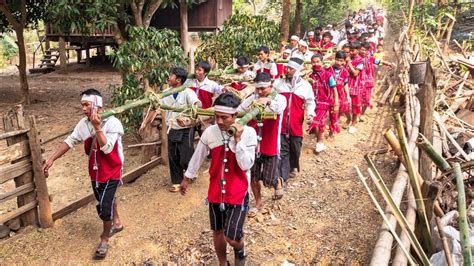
148, 54
241, 34
8, 49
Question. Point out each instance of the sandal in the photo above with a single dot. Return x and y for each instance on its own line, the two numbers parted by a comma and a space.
175, 188
252, 212
115, 230
279, 191
101, 251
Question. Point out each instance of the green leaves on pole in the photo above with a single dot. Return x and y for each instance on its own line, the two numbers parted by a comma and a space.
241, 35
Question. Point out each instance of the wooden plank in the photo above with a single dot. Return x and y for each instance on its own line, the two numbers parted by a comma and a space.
10, 171
14, 152
42, 196
73, 207
23, 209
21, 190
135, 173
12, 133
126, 178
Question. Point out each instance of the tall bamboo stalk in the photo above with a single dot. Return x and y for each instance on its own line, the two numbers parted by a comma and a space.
375, 175
421, 210
426, 146
463, 223
382, 213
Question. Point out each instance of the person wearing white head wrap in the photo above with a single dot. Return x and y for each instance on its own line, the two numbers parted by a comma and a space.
265, 167
293, 42
102, 140
300, 100
303, 51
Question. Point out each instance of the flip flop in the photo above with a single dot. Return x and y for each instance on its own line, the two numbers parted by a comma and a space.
101, 251
279, 192
252, 212
115, 230
175, 188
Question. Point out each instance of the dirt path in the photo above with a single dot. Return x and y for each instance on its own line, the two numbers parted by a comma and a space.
325, 216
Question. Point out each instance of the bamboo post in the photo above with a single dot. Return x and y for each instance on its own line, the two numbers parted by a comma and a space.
387, 222
397, 213
463, 223
444, 240
44, 212
421, 210
426, 146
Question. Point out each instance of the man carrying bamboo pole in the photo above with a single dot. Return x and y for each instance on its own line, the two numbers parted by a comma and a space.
300, 98
265, 168
103, 144
180, 137
204, 88
231, 159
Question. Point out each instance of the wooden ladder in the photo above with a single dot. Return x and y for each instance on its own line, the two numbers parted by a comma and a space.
48, 62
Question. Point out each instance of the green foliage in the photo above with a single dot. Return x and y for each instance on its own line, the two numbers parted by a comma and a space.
35, 11
241, 34
148, 54
131, 89
86, 16
8, 47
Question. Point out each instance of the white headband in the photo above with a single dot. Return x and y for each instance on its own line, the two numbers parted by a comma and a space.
94, 99
263, 84
294, 65
247, 65
225, 109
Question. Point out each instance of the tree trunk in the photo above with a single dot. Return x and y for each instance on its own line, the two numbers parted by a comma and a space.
183, 12
298, 18
285, 20
22, 66
62, 53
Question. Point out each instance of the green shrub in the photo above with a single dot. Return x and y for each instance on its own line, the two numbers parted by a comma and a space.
241, 34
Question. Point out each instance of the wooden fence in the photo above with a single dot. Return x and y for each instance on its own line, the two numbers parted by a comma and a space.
21, 162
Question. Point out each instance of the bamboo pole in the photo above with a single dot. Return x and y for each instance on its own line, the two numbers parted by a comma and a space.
397, 213
421, 210
387, 222
463, 223
444, 240
426, 146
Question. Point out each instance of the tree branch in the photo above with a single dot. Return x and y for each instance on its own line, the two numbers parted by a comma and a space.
23, 14
150, 11
8, 14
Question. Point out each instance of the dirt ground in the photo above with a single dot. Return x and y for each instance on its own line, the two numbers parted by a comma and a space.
325, 216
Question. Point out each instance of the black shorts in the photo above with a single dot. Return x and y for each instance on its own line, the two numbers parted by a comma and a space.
265, 169
231, 220
105, 195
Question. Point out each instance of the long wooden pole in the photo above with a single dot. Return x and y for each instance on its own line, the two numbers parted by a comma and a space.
398, 215
425, 145
421, 210
463, 223
382, 213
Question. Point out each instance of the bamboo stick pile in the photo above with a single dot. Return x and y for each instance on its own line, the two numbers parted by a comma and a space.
434, 228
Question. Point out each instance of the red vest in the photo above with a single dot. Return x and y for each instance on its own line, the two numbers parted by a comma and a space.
236, 179
204, 96
109, 166
321, 89
369, 75
340, 82
281, 69
238, 85
269, 142
312, 43
355, 82
328, 45
296, 108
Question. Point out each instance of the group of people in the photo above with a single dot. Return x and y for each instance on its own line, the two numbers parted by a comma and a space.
314, 82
